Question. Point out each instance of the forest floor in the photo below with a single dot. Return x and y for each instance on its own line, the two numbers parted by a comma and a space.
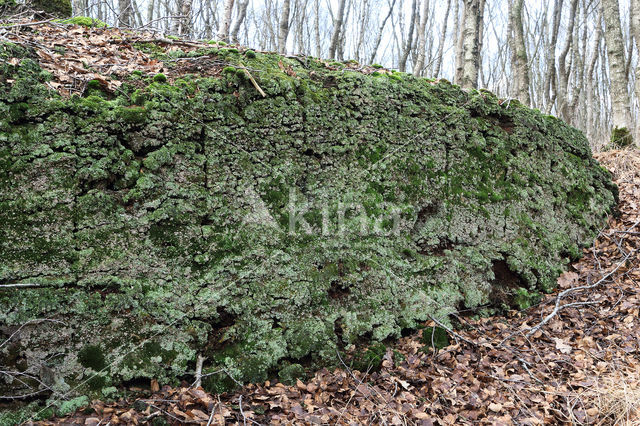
572, 359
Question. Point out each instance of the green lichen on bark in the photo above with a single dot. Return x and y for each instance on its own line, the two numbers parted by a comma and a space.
156, 224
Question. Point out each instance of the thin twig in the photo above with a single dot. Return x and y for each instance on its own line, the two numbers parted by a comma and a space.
558, 307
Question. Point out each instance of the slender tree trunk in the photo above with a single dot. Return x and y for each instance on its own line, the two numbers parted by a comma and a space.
337, 28
620, 113
242, 14
283, 26
364, 15
125, 13
443, 36
519, 57
404, 55
150, 10
226, 21
473, 22
418, 68
376, 43
183, 22
316, 28
459, 41
635, 25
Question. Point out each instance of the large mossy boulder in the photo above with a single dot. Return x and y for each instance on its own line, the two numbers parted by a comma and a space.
197, 217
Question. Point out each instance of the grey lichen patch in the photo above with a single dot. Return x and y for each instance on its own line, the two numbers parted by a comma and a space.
269, 233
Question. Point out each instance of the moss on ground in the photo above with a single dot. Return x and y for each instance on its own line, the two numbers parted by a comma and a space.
268, 233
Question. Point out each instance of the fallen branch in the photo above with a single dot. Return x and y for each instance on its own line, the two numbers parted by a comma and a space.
558, 307
199, 361
453, 333
20, 285
253, 81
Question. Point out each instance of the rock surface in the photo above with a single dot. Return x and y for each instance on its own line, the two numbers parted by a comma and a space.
195, 216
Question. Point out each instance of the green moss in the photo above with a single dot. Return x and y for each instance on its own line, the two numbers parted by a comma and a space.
160, 78
131, 114
291, 373
524, 299
162, 215
84, 21
94, 84
250, 54
72, 405
91, 356
435, 337
371, 359
620, 138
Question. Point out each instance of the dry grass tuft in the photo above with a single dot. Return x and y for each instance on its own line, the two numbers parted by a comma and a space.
613, 400
624, 164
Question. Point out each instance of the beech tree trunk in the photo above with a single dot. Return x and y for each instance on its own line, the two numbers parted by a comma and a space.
226, 21
443, 35
620, 112
471, 24
418, 68
283, 26
404, 55
125, 13
337, 28
635, 26
519, 57
242, 14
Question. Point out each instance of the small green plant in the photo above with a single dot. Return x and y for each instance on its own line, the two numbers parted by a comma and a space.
620, 138
376, 66
94, 85
289, 374
160, 78
84, 21
229, 70
435, 337
524, 299
68, 407
250, 54
371, 359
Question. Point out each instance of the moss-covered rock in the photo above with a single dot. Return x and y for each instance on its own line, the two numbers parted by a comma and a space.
268, 233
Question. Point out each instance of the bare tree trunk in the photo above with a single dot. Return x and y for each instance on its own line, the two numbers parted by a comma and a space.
226, 21
404, 55
473, 11
459, 41
182, 24
337, 28
620, 114
283, 26
150, 10
242, 14
549, 83
443, 36
635, 26
316, 28
376, 43
519, 57
418, 68
364, 15
125, 13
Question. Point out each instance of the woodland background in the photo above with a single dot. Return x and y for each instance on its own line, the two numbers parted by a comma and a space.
576, 59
